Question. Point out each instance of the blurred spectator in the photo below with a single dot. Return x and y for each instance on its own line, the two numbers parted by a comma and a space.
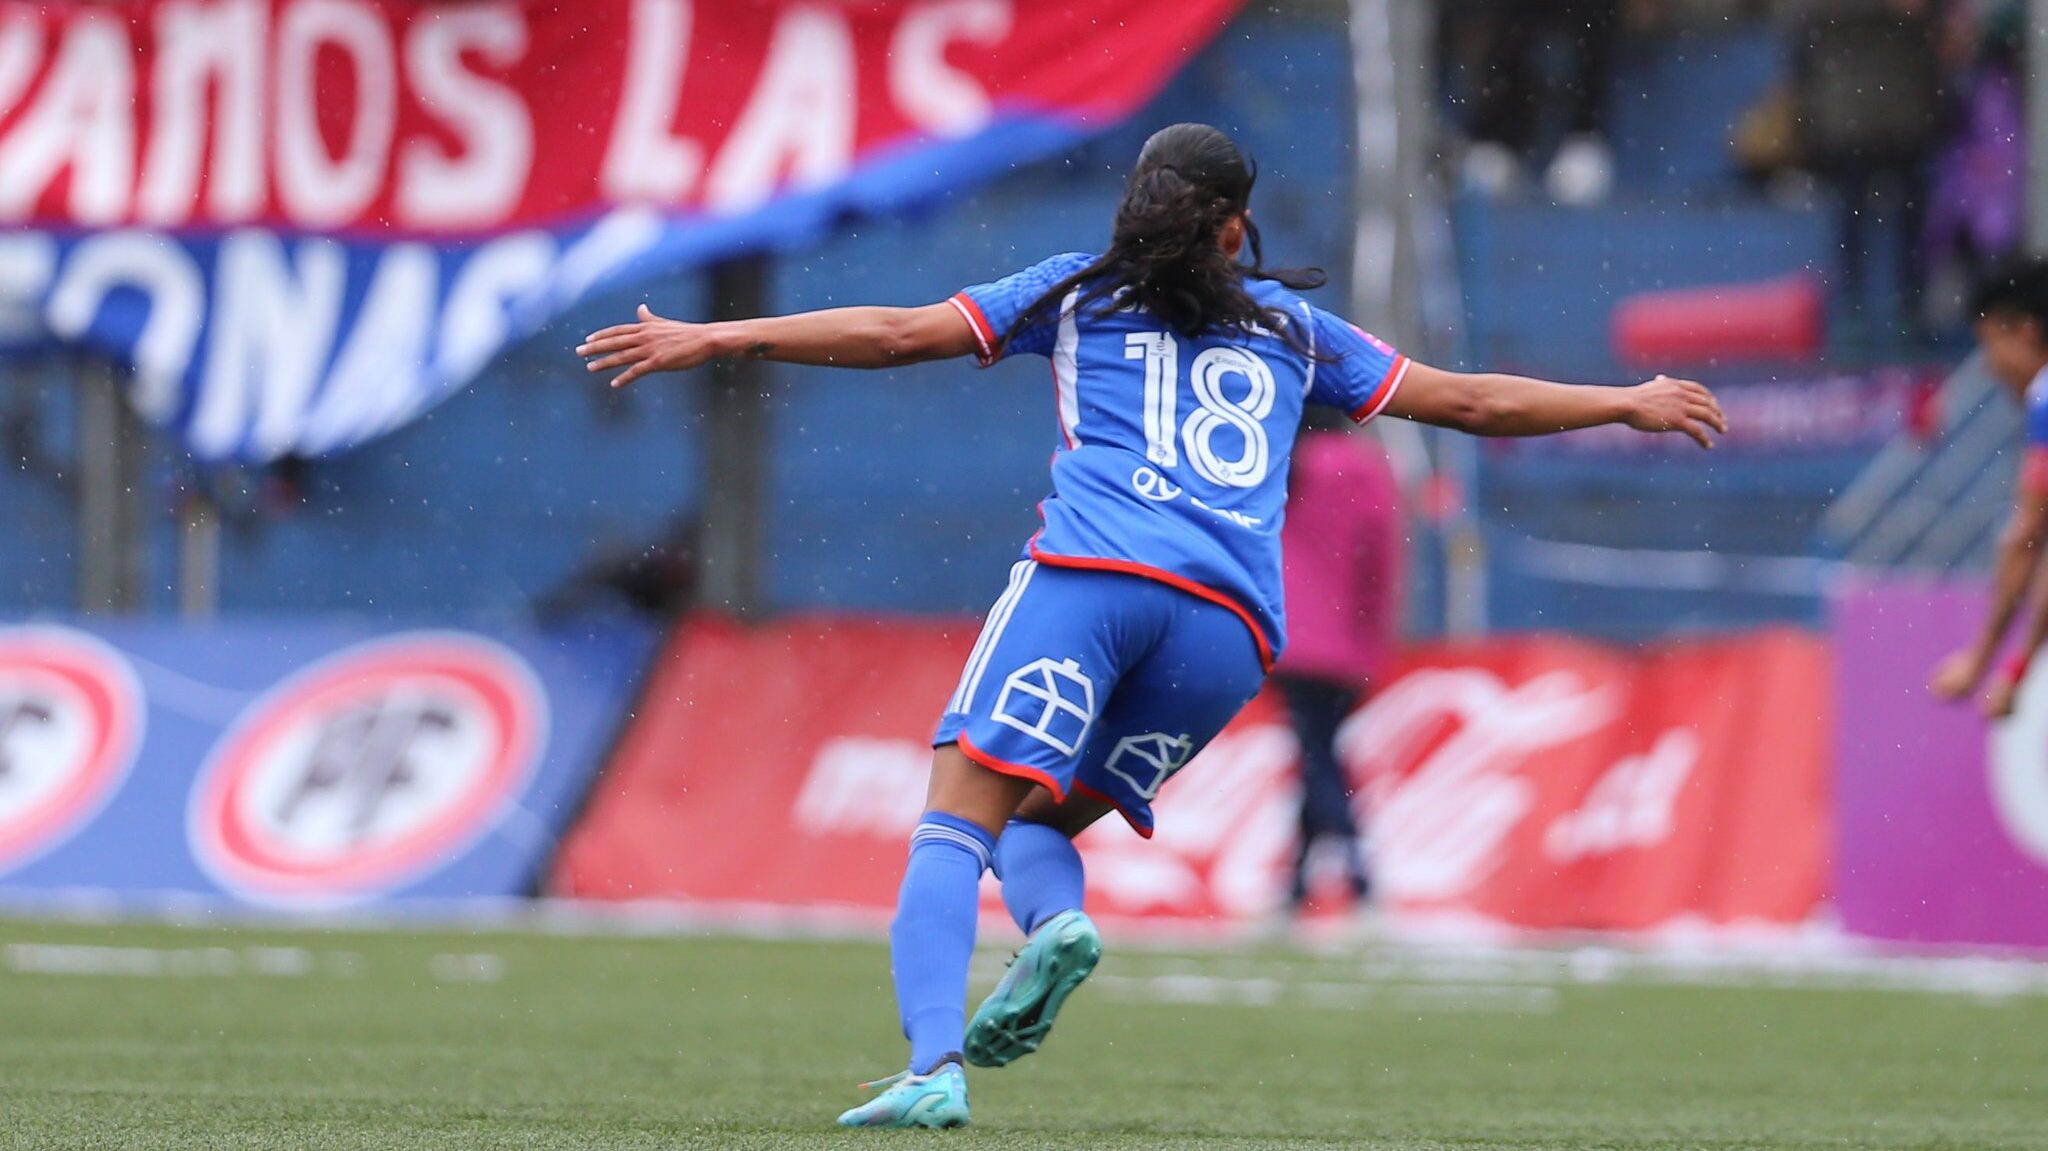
1976, 207
658, 579
1869, 96
1343, 547
1494, 54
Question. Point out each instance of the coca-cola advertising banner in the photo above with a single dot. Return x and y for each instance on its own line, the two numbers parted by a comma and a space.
303, 221
296, 764
1943, 815
1532, 783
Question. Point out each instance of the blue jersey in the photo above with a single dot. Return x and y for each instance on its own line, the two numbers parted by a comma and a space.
2034, 464
1172, 454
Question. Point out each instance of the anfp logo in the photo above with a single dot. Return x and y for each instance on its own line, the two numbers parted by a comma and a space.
368, 769
70, 722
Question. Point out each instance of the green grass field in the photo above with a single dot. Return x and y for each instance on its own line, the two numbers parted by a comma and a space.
158, 1037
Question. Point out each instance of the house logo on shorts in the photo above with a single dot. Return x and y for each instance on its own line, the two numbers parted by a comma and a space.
1051, 701
1147, 761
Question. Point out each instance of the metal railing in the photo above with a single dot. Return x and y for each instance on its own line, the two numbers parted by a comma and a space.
1934, 504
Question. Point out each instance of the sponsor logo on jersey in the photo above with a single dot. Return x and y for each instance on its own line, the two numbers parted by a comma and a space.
71, 718
1153, 486
368, 769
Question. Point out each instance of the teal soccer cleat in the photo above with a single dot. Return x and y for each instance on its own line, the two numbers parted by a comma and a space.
935, 1099
1018, 1014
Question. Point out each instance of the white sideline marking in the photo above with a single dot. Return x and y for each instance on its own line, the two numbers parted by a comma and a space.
225, 962
1503, 972
157, 962
480, 967
1230, 991
1438, 950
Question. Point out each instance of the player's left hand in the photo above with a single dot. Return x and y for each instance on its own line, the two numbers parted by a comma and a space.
654, 344
1957, 675
1668, 404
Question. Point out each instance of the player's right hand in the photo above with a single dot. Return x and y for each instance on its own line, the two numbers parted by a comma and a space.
1668, 404
653, 344
1957, 676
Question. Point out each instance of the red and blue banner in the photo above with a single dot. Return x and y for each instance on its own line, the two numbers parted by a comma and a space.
297, 764
305, 221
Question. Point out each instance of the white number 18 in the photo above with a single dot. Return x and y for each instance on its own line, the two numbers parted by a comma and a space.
1164, 436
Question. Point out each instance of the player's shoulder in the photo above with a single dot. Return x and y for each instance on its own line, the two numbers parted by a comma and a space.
1274, 294
1036, 277
1310, 324
1030, 281
1065, 264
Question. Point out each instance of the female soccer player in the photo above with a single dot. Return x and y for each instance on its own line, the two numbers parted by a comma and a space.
1146, 612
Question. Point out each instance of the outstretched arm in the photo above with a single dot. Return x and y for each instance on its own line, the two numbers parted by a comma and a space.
838, 337
2019, 557
1490, 404
2004, 693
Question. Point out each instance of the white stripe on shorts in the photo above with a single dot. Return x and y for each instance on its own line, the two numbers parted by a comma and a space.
998, 619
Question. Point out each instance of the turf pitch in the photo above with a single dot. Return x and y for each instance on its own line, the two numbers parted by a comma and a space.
162, 1037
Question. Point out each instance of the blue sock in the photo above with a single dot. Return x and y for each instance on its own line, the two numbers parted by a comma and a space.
1041, 873
932, 939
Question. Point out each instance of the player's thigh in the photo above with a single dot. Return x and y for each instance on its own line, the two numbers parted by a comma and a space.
963, 788
1070, 816
1168, 707
1051, 653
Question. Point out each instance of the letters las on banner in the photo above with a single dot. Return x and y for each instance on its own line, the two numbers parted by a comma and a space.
304, 221
295, 764
1534, 783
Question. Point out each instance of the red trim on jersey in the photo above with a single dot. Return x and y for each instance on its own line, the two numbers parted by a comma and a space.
1084, 791
1383, 394
1005, 767
2034, 470
1179, 582
983, 333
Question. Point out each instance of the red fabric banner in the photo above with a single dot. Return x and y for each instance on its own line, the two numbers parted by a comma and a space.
1537, 783
1556, 784
437, 118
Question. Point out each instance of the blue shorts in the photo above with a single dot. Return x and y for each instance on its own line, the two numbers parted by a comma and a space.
1099, 684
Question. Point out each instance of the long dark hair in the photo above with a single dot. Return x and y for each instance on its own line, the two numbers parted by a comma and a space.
1190, 181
